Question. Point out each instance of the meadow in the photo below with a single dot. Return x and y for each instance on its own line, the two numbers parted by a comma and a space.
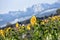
46, 29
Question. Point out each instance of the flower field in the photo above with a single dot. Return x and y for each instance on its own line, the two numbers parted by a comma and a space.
47, 29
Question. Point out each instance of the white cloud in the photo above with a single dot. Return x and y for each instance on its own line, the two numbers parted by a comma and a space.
16, 20
3, 25
49, 10
19, 20
3, 12
58, 1
38, 8
11, 5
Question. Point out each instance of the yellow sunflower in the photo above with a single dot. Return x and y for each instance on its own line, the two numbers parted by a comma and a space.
53, 18
46, 20
42, 23
8, 29
28, 26
17, 25
33, 20
2, 33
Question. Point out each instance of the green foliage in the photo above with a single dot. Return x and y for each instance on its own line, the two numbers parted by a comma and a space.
48, 29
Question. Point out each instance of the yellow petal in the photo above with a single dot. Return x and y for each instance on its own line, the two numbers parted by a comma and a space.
17, 25
28, 26
33, 20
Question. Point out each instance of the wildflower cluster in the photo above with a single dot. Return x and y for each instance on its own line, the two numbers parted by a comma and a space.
47, 29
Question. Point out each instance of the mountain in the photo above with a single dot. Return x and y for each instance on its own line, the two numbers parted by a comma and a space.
47, 6
13, 15
47, 12
39, 10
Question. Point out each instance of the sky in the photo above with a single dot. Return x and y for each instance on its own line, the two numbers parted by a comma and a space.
15, 5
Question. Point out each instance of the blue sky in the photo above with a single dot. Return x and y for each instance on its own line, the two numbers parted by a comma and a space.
14, 5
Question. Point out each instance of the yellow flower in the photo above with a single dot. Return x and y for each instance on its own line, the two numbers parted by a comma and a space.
46, 20
56, 16
33, 20
53, 18
42, 23
17, 25
8, 29
2, 33
28, 27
